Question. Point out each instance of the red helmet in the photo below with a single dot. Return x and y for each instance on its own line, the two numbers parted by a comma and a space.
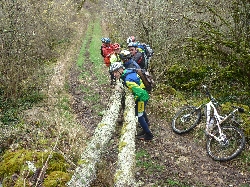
130, 39
116, 46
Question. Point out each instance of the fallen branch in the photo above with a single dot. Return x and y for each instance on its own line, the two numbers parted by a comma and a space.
124, 175
85, 173
45, 166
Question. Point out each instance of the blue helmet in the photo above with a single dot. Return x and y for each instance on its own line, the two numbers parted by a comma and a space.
105, 40
133, 44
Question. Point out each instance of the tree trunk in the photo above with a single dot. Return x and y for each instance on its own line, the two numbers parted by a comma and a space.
124, 175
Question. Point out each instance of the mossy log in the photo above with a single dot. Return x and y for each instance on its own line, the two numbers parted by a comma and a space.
85, 173
124, 175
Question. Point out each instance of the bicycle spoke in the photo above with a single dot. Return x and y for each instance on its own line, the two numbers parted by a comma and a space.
186, 119
229, 148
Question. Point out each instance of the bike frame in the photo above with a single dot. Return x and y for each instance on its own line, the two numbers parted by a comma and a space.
218, 120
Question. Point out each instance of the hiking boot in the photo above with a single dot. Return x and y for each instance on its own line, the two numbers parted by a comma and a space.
141, 133
146, 136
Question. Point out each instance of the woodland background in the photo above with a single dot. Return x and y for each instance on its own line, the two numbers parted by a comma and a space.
195, 42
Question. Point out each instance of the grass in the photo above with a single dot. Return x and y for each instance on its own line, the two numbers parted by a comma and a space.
95, 66
10, 109
143, 160
95, 56
84, 75
64, 103
93, 36
81, 57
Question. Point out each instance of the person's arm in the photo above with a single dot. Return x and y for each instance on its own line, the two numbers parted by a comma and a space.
113, 58
102, 52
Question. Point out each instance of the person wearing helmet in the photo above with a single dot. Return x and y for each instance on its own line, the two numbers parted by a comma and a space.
106, 50
136, 54
130, 39
127, 60
114, 57
133, 82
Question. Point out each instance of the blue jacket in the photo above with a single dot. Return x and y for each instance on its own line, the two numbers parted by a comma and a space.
131, 64
132, 80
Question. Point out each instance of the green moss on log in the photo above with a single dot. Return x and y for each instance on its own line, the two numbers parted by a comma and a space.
14, 163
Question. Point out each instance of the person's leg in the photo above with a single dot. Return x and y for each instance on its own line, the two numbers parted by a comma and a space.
143, 124
139, 111
146, 117
144, 112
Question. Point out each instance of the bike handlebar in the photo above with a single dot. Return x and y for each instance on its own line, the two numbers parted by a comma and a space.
210, 96
239, 109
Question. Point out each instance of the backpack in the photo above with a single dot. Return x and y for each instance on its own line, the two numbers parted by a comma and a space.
146, 49
140, 59
146, 78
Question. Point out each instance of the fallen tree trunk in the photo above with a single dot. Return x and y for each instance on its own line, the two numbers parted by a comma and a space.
124, 175
85, 173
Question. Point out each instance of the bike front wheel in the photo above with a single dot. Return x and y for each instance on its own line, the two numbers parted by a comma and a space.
186, 119
230, 147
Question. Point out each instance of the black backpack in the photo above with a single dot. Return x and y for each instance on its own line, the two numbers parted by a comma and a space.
146, 78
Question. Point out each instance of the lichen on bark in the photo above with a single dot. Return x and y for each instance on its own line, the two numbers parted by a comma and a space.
124, 175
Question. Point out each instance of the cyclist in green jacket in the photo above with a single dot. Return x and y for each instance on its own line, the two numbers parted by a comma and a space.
133, 82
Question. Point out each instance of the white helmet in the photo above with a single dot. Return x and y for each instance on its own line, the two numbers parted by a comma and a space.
125, 55
115, 66
130, 39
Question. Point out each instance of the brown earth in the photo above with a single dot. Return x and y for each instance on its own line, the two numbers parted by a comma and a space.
170, 159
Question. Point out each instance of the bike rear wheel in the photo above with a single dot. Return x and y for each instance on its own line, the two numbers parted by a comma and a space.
228, 149
186, 119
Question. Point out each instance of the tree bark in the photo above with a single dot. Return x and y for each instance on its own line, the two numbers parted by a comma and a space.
124, 175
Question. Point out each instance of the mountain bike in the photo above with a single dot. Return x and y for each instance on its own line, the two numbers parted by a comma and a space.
224, 139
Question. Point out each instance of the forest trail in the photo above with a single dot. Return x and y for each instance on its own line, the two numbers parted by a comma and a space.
168, 160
